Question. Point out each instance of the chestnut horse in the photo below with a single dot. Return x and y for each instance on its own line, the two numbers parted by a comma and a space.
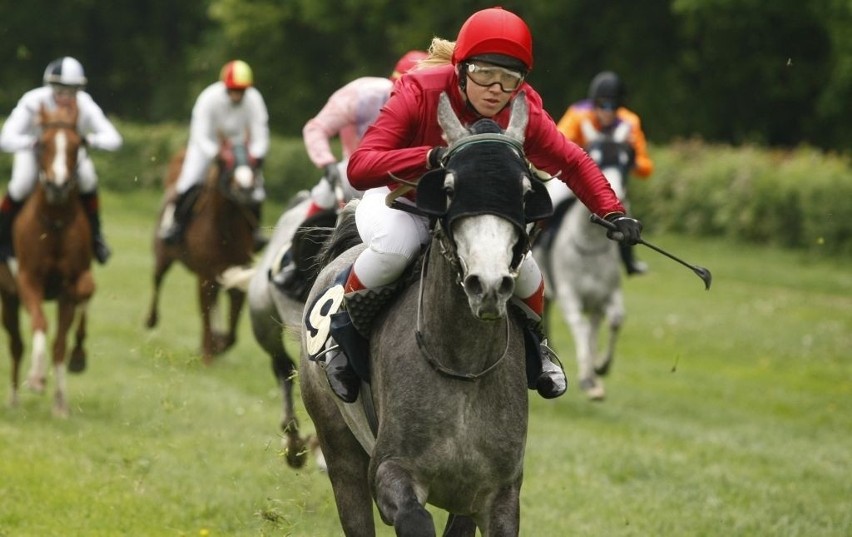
219, 236
53, 245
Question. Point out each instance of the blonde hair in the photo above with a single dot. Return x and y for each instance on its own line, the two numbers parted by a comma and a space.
440, 53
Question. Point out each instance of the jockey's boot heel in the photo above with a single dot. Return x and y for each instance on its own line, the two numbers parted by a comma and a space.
544, 370
551, 383
342, 378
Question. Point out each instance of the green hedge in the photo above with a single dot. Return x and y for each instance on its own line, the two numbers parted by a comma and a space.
797, 199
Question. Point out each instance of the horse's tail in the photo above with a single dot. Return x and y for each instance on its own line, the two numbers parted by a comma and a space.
344, 236
237, 277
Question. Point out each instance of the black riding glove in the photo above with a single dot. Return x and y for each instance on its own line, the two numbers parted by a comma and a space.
628, 230
435, 159
332, 174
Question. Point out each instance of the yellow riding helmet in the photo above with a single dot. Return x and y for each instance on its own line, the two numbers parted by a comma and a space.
236, 75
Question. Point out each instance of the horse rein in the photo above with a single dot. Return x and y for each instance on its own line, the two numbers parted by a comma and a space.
430, 358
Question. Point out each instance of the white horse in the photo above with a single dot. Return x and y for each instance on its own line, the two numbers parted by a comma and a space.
582, 270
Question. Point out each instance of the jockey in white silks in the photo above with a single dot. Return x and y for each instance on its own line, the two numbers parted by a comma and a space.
64, 80
232, 109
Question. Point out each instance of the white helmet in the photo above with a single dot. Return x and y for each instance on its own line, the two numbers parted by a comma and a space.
66, 71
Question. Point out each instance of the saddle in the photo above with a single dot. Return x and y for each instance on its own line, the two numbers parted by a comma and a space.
295, 269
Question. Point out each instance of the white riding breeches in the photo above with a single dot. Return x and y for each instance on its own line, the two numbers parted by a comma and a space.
394, 239
558, 191
25, 174
194, 172
323, 195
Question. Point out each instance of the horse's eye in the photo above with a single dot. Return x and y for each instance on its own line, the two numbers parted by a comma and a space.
449, 186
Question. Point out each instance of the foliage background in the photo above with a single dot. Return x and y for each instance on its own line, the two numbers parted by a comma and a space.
732, 71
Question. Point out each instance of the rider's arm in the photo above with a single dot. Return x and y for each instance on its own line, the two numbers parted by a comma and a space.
258, 124
397, 142
569, 125
338, 112
17, 133
644, 166
98, 131
201, 130
552, 152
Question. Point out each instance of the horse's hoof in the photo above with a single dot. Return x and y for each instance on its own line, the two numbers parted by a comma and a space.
77, 363
151, 321
36, 384
295, 452
593, 388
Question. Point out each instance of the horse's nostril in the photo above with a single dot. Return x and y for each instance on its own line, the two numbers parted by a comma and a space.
473, 285
507, 286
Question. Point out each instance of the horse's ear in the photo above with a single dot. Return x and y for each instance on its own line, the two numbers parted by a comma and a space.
537, 203
431, 196
449, 122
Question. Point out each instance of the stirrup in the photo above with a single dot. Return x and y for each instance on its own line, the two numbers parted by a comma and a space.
101, 250
552, 382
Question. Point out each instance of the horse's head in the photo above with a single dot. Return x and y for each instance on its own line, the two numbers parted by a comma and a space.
237, 174
613, 154
484, 198
58, 149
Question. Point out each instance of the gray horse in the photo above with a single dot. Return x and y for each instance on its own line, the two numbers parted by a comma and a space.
271, 311
443, 419
582, 270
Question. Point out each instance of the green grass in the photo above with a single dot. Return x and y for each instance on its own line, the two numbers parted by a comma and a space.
728, 414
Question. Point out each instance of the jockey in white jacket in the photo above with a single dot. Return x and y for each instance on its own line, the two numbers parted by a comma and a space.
232, 108
64, 80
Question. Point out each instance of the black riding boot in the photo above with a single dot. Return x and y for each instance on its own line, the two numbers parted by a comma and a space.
350, 329
633, 265
9, 209
182, 209
259, 240
544, 370
91, 204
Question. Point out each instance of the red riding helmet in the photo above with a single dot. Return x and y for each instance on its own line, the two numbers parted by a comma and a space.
408, 62
236, 75
494, 31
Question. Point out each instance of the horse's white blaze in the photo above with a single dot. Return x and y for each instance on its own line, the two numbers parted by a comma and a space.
59, 164
485, 244
244, 176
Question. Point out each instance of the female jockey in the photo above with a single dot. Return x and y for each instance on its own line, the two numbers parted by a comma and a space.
347, 114
482, 71
64, 80
603, 115
232, 108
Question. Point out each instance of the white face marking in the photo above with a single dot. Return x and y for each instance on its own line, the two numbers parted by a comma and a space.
244, 176
60, 165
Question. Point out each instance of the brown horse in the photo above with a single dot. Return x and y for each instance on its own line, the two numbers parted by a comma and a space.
52, 241
218, 236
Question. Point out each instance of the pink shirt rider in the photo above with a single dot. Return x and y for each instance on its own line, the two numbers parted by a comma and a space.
347, 114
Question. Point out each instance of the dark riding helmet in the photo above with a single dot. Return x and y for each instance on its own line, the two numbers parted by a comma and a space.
607, 87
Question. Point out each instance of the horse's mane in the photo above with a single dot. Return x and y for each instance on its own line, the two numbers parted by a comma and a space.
344, 236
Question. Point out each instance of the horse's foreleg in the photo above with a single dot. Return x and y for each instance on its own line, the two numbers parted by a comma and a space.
505, 515
615, 314
32, 297
207, 294
398, 502
11, 322
237, 300
84, 290
162, 266
66, 318
77, 362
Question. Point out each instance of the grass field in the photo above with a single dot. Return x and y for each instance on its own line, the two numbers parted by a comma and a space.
729, 414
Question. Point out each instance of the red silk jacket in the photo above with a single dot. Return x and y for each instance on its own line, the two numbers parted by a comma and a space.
407, 128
